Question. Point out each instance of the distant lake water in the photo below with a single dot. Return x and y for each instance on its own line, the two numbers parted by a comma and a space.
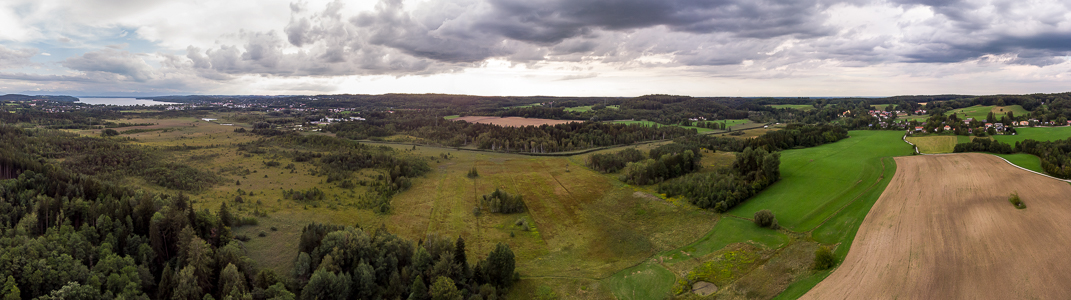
121, 101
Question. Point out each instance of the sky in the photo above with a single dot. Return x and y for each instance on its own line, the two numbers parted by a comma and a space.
751, 48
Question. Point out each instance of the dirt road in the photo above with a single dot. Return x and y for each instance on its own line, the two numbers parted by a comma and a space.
944, 229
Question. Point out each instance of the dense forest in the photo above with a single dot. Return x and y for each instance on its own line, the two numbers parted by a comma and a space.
752, 172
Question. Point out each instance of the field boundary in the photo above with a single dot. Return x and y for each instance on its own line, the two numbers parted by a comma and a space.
1001, 158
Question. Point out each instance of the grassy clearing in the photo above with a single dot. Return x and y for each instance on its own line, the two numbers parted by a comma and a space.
452, 117
935, 143
653, 124
1028, 161
728, 231
817, 181
1003, 110
793, 106
587, 108
1037, 134
645, 281
960, 139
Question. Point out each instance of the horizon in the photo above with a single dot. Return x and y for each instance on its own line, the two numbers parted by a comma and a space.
556, 48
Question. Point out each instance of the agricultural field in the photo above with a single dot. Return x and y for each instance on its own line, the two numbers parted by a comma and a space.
944, 228
511, 121
1037, 134
733, 124
934, 144
980, 112
1028, 161
794, 106
880, 106
587, 108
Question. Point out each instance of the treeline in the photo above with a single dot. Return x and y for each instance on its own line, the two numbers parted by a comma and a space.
338, 262
612, 162
1055, 155
793, 136
753, 171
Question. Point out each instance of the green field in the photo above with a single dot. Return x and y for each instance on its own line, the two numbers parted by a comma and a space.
880, 106
730, 123
1028, 161
452, 117
935, 143
1037, 134
822, 197
794, 106
979, 112
815, 182
587, 108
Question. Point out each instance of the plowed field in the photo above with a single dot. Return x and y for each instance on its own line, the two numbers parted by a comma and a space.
944, 229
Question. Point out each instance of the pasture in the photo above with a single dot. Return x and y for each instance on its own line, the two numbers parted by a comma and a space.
803, 107
944, 229
512, 121
934, 144
587, 108
1037, 134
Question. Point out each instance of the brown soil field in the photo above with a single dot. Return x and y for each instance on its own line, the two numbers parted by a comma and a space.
512, 121
944, 229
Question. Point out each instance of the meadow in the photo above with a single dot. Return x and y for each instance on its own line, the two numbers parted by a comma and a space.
584, 234
587, 108
793, 106
1037, 134
934, 144
733, 124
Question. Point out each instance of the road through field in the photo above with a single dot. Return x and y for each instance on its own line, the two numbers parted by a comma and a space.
944, 229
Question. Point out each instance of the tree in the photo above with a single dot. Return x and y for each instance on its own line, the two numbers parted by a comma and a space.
186, 286
444, 289
231, 283
765, 218
418, 291
225, 215
109, 132
326, 285
824, 259
499, 266
11, 290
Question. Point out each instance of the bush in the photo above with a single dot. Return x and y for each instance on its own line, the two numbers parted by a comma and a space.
765, 218
473, 173
824, 259
1018, 203
262, 234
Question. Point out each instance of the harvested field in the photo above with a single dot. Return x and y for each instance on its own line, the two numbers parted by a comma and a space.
943, 229
935, 143
511, 121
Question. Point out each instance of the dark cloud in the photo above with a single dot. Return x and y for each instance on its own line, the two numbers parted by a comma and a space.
111, 61
13, 58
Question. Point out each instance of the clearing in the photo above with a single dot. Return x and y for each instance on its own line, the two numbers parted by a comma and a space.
512, 121
794, 106
944, 229
934, 143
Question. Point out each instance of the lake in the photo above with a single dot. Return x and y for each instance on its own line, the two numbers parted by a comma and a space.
121, 101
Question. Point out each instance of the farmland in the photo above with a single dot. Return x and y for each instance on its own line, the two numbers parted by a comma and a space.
511, 121
587, 108
733, 124
1037, 134
935, 143
794, 106
936, 233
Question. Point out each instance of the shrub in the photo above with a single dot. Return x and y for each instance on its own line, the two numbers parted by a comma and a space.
473, 173
765, 218
262, 234
824, 259
1018, 203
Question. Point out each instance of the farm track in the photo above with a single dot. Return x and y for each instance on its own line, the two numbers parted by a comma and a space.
943, 228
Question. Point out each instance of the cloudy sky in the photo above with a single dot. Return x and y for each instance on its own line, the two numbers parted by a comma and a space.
535, 47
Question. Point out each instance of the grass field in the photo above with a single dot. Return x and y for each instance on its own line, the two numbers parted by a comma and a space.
1028, 161
587, 108
731, 123
880, 106
794, 106
1037, 134
935, 143
452, 117
980, 112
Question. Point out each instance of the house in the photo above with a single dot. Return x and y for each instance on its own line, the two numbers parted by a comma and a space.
1023, 123
918, 128
987, 125
947, 128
